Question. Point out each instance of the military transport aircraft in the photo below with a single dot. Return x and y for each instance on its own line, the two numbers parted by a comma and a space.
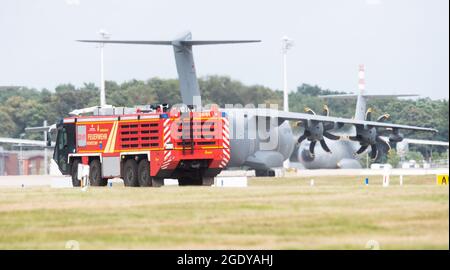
346, 149
273, 142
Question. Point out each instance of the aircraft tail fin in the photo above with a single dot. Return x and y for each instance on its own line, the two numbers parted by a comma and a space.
182, 46
362, 97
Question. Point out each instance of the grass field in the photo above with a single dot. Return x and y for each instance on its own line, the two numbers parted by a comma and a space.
336, 213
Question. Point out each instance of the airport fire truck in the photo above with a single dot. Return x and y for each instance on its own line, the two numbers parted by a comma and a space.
143, 146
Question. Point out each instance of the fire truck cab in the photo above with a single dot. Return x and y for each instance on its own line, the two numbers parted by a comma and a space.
144, 145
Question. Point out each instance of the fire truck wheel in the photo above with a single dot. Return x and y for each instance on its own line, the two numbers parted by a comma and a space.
184, 181
188, 181
145, 180
130, 173
95, 174
75, 181
207, 181
157, 182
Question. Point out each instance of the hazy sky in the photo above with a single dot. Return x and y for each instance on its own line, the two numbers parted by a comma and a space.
403, 43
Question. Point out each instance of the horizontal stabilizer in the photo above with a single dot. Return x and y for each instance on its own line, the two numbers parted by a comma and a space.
354, 96
215, 42
23, 141
343, 96
37, 129
142, 42
165, 42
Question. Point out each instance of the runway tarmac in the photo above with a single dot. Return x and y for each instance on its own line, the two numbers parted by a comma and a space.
28, 180
339, 172
19, 181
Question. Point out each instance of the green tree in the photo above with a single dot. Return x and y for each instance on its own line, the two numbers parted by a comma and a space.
413, 155
21, 107
8, 127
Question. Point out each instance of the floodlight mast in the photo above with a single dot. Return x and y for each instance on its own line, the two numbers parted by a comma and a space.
45, 150
286, 44
104, 36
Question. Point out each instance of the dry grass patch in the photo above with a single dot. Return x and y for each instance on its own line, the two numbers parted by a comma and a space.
282, 213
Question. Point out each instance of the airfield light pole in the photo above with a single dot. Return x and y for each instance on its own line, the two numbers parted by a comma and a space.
448, 163
45, 150
21, 155
286, 44
104, 35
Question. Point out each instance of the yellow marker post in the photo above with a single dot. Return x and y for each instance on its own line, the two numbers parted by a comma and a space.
442, 179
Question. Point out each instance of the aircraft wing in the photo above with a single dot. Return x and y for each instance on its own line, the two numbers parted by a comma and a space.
390, 96
423, 142
294, 116
23, 141
88, 110
304, 116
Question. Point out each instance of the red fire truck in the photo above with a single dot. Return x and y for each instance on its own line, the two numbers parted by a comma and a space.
144, 146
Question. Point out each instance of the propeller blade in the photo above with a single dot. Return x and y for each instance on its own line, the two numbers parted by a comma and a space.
302, 138
396, 136
326, 110
310, 111
311, 147
331, 136
325, 146
374, 152
383, 142
383, 118
362, 149
369, 114
328, 126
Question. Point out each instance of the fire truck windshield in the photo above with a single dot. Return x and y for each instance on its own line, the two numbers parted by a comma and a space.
65, 144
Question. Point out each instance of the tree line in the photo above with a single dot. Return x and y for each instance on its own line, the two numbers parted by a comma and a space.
22, 107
